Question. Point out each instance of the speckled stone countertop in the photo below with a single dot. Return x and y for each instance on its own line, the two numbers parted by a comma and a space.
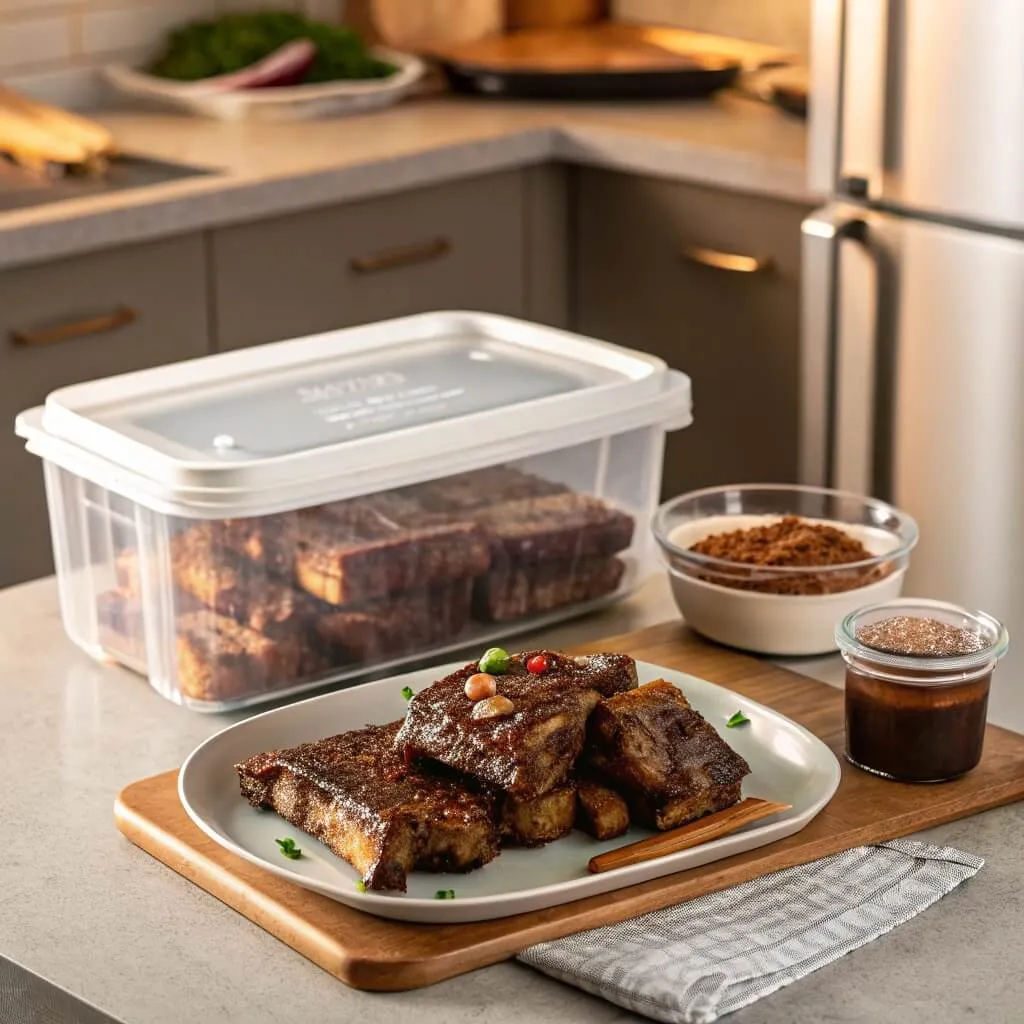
89, 912
268, 169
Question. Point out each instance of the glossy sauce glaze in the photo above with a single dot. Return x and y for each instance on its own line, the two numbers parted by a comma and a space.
664, 756
531, 748
362, 772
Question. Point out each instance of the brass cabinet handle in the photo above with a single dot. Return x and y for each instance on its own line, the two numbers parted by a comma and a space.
732, 261
120, 317
400, 256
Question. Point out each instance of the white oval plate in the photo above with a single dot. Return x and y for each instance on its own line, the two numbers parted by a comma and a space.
286, 103
789, 765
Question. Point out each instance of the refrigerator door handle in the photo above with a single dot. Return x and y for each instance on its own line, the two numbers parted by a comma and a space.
865, 80
823, 233
823, 134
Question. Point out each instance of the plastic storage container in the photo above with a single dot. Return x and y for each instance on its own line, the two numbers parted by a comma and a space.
257, 523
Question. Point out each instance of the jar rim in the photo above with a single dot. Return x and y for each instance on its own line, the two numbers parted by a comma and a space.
944, 667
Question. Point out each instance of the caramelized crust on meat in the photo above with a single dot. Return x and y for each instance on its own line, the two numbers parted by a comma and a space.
534, 748
561, 527
220, 659
513, 592
368, 547
398, 624
357, 796
671, 765
234, 587
600, 811
466, 493
353, 551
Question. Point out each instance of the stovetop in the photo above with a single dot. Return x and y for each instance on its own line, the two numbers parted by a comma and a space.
20, 189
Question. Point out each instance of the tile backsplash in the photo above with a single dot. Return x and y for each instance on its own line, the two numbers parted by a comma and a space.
52, 48
783, 23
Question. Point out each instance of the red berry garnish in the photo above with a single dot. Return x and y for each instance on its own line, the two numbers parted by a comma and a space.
538, 663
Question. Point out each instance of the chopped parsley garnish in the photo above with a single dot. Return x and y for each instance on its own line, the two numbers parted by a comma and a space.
738, 719
407, 692
360, 885
289, 849
444, 894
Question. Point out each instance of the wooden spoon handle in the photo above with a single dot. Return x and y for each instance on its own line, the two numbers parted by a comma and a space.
703, 830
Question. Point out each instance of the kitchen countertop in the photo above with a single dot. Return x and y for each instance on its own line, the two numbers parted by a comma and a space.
269, 169
92, 914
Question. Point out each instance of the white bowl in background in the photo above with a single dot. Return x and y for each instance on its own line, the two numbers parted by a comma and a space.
778, 624
783, 625
285, 103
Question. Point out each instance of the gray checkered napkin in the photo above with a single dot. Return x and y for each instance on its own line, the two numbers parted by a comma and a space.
693, 963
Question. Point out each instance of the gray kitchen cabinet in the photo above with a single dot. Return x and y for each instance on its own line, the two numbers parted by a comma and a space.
709, 281
457, 245
79, 319
549, 244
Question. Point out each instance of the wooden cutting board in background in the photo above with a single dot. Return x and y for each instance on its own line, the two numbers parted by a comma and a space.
374, 954
608, 46
553, 13
440, 24
415, 24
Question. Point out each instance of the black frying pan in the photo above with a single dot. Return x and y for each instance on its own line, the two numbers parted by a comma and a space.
590, 85
603, 61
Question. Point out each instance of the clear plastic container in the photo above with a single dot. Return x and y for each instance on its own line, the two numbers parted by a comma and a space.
254, 524
918, 676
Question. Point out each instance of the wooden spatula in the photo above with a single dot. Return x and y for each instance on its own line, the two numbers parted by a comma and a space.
714, 826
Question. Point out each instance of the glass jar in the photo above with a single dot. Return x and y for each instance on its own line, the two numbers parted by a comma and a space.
918, 717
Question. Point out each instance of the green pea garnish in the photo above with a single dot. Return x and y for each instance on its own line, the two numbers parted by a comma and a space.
495, 661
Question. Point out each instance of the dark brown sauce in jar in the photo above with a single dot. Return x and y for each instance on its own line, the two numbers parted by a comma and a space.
911, 732
917, 683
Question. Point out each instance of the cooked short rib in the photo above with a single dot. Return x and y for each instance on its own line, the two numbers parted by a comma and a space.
357, 796
532, 749
661, 754
600, 811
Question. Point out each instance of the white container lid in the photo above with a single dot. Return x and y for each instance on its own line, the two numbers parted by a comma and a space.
349, 412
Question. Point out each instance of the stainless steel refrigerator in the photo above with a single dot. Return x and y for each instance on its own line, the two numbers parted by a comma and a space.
913, 319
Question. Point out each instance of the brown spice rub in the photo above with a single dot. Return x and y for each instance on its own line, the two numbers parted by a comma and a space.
791, 542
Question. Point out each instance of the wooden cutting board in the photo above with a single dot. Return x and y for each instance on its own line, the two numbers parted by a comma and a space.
521, 14
407, 25
607, 46
370, 953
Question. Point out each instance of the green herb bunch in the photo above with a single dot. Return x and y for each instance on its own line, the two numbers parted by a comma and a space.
232, 42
